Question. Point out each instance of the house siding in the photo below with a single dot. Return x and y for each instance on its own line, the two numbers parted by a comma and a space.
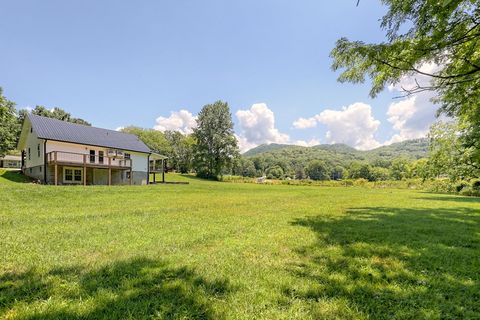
100, 176
34, 162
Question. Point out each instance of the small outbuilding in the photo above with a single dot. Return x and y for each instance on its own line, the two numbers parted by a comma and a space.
11, 162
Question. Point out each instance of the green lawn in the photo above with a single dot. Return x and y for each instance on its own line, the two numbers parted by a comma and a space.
212, 250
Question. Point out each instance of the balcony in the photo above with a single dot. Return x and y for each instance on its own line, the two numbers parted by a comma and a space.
87, 160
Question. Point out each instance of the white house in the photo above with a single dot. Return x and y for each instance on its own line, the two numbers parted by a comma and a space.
60, 152
11, 162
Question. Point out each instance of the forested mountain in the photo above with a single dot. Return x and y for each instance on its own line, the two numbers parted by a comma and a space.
341, 154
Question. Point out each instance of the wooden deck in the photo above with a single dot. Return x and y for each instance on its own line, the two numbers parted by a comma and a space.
81, 160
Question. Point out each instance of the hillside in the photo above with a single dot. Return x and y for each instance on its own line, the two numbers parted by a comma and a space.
341, 154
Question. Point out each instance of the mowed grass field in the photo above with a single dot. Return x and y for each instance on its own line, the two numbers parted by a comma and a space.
211, 250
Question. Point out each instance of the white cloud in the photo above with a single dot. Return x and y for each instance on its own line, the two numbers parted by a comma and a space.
258, 126
182, 121
119, 128
244, 144
310, 143
412, 116
354, 125
303, 123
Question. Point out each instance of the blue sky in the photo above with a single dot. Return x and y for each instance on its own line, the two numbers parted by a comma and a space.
119, 63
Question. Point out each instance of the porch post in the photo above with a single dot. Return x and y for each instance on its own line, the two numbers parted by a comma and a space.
56, 167
109, 171
84, 169
131, 173
163, 170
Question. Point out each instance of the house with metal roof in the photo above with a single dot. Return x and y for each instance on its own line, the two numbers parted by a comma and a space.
59, 152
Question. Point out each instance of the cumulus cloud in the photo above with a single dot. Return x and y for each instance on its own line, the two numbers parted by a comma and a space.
309, 143
303, 123
353, 125
257, 126
412, 116
182, 121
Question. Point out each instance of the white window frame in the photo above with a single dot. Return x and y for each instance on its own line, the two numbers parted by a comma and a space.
73, 175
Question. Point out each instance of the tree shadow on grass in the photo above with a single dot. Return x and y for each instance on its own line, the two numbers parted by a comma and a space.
393, 263
139, 289
452, 198
15, 176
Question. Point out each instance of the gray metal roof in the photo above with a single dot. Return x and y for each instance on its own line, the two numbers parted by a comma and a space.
53, 129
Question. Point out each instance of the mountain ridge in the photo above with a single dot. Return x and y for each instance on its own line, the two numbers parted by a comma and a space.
410, 149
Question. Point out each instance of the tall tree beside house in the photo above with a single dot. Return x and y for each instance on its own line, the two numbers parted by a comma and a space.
8, 125
181, 150
154, 139
216, 146
55, 113
444, 33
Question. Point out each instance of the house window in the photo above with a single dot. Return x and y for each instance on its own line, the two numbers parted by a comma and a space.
29, 154
92, 156
128, 174
38, 150
100, 156
72, 175
127, 159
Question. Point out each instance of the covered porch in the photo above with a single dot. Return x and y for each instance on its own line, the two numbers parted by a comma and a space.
77, 169
157, 163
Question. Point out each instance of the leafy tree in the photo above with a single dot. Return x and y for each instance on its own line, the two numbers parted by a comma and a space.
448, 158
216, 146
259, 163
421, 169
8, 125
338, 173
244, 167
275, 172
379, 174
445, 33
55, 113
154, 139
400, 169
358, 170
318, 170
300, 173
181, 150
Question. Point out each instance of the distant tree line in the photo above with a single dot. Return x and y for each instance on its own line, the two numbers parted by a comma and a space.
211, 151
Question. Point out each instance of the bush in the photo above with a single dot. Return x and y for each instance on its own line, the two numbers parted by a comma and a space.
470, 191
461, 185
475, 184
360, 182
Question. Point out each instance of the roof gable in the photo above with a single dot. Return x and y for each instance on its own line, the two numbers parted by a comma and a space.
53, 129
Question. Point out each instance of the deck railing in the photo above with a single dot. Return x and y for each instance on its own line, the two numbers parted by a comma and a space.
72, 158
